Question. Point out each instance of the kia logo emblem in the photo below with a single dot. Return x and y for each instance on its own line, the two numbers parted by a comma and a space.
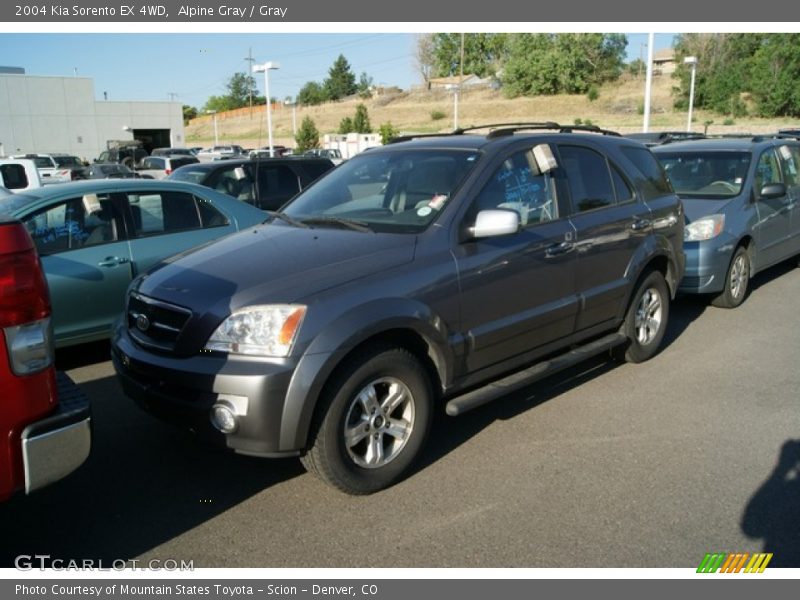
142, 323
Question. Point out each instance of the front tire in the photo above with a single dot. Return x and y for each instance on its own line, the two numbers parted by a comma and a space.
737, 280
373, 422
646, 320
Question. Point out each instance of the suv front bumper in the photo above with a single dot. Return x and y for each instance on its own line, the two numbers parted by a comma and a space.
55, 446
183, 390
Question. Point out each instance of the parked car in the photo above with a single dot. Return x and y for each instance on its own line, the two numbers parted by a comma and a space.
19, 174
741, 199
112, 171
263, 152
453, 268
172, 152
656, 138
95, 236
265, 183
45, 419
332, 153
49, 169
127, 152
158, 167
76, 166
221, 153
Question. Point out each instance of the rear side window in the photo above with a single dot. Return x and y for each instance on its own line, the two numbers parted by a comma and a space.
651, 180
14, 177
163, 212
624, 191
317, 169
589, 178
179, 162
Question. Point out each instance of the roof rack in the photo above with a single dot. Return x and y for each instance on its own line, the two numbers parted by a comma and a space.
504, 129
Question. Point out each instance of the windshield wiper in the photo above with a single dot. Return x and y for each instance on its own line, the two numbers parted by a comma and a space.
349, 223
276, 214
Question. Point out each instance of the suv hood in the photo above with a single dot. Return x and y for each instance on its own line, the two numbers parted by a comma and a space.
272, 264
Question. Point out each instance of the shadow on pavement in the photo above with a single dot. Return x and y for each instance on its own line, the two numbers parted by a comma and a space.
143, 484
773, 512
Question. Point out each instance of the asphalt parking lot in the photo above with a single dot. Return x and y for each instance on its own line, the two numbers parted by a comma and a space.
605, 465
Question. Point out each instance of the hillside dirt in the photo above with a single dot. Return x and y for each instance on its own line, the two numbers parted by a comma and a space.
618, 107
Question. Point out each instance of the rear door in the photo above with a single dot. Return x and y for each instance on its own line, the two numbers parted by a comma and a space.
166, 222
87, 263
790, 165
517, 291
611, 223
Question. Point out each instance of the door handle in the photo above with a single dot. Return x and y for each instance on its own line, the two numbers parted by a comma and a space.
112, 261
558, 249
639, 224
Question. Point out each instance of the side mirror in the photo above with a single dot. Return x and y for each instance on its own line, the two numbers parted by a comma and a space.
773, 190
496, 222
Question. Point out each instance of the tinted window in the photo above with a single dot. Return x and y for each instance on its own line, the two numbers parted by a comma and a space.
589, 178
790, 162
210, 216
234, 180
517, 186
767, 170
68, 226
623, 190
278, 182
14, 177
163, 212
317, 169
67, 161
179, 162
652, 181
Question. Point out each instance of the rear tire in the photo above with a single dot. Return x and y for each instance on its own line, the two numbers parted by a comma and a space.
372, 423
646, 320
737, 280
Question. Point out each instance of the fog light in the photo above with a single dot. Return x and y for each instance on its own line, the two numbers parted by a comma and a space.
224, 418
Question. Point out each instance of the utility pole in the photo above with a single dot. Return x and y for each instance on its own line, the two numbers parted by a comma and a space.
250, 60
172, 96
460, 79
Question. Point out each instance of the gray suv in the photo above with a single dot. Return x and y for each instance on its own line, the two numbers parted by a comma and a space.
741, 198
446, 269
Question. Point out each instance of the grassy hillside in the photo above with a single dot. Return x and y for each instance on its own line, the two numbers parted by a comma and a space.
618, 107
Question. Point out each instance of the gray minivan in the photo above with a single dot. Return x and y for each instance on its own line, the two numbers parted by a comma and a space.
740, 197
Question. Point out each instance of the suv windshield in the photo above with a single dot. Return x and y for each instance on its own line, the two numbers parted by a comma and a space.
712, 175
397, 191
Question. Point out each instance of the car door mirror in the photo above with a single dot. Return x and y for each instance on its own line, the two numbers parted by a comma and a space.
495, 222
773, 190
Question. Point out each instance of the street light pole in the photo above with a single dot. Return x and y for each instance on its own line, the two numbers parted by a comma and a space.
691, 60
216, 133
648, 83
266, 67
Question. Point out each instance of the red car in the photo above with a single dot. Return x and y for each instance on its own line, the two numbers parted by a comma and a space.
45, 422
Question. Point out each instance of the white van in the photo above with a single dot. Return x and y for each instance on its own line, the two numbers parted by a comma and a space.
19, 174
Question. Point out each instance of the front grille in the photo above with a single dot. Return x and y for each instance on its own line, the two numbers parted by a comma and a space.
154, 323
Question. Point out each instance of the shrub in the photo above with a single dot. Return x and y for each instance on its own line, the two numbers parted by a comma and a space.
437, 115
593, 94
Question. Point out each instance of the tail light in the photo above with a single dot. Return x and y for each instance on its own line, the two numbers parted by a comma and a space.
168, 171
24, 302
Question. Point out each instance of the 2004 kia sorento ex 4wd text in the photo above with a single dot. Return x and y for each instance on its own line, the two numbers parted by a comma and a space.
429, 269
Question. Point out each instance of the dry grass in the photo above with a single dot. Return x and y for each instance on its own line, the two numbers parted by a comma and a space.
616, 108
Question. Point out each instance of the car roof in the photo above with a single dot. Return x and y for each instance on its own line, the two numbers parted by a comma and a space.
743, 144
90, 186
224, 164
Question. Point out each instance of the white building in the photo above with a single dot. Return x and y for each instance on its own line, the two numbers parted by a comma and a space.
61, 114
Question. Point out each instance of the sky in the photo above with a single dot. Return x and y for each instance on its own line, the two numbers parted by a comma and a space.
188, 68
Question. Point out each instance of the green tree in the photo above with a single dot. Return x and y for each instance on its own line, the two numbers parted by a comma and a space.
484, 53
311, 94
239, 87
542, 63
364, 86
775, 76
388, 132
189, 113
341, 81
361, 120
346, 125
307, 136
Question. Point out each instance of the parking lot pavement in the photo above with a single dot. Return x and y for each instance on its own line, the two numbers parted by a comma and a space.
648, 465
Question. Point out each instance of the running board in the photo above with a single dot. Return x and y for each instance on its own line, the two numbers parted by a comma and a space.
502, 387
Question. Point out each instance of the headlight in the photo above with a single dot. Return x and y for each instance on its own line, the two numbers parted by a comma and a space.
704, 229
268, 330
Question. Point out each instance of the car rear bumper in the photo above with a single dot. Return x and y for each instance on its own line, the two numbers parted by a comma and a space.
183, 391
55, 446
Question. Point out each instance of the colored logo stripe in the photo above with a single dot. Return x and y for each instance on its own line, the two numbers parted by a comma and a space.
734, 562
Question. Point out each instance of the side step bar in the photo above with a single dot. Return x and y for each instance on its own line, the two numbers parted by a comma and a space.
502, 387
